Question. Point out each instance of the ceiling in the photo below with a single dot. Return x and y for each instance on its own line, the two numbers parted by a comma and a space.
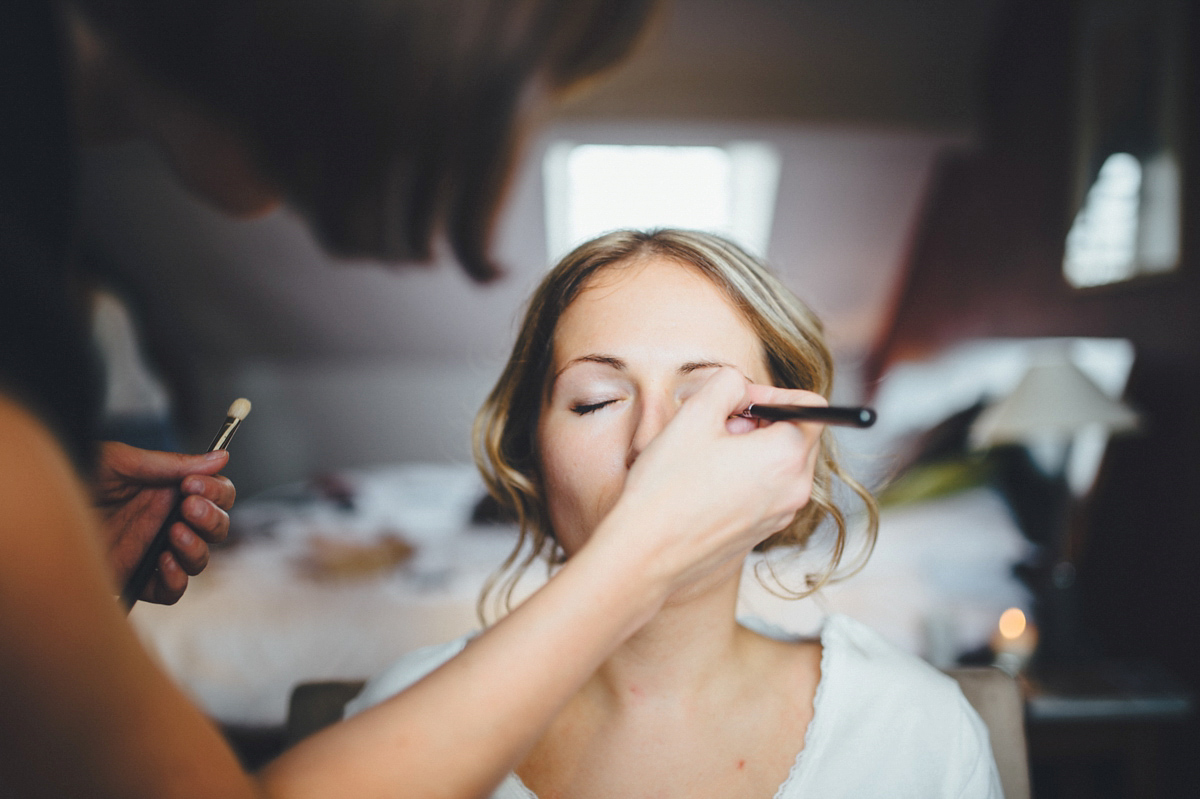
890, 63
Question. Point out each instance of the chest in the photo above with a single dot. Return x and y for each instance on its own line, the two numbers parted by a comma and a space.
744, 753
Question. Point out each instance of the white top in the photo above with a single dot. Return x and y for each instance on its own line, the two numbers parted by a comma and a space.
884, 723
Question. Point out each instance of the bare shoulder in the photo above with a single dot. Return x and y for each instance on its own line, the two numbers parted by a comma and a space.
37, 482
18, 425
23, 435
47, 525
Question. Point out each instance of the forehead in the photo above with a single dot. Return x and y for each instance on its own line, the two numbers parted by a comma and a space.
654, 303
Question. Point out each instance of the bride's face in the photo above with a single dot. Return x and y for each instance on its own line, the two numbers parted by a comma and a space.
633, 346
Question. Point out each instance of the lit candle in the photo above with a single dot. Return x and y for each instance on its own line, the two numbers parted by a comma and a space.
1014, 641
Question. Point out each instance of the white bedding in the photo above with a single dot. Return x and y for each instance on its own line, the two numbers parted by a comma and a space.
253, 625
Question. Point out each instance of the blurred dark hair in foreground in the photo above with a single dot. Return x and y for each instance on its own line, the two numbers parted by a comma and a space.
383, 123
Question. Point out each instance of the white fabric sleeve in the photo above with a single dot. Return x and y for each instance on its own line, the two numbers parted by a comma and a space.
403, 673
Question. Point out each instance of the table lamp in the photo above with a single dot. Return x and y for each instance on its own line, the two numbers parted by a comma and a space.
1048, 410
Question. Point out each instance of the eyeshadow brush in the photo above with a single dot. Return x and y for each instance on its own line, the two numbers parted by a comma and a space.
832, 414
148, 564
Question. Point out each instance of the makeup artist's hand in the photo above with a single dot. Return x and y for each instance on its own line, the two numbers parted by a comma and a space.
711, 486
134, 490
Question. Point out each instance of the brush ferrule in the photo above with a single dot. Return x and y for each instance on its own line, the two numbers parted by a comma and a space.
225, 434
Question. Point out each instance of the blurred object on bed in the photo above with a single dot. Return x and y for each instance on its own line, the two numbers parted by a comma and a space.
329, 558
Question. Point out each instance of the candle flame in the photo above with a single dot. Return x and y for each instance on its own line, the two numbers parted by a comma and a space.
1012, 623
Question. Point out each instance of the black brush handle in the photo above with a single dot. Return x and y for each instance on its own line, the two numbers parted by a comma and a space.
144, 571
849, 417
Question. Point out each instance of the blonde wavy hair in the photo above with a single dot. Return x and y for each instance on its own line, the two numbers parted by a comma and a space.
793, 342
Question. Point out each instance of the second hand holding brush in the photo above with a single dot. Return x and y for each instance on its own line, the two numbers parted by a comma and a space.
148, 564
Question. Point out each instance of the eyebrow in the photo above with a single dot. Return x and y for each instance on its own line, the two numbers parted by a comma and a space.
620, 365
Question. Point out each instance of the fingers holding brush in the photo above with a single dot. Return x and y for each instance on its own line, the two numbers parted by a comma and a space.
206, 505
134, 491
169, 582
190, 549
186, 554
197, 515
204, 520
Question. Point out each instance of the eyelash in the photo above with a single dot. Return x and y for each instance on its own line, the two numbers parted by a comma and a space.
584, 410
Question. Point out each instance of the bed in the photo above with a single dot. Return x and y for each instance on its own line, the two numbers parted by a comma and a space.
264, 617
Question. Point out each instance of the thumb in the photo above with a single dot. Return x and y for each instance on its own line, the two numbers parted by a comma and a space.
166, 467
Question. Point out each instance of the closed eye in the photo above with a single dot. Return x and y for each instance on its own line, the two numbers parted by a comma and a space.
584, 410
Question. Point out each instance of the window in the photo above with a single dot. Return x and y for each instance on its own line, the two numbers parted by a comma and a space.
1130, 83
594, 188
1128, 224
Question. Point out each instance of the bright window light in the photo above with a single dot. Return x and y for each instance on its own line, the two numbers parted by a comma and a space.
595, 188
1102, 244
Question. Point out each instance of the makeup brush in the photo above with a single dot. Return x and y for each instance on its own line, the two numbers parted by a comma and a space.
849, 417
149, 562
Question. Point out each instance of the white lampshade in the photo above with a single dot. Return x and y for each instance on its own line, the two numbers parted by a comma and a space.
1053, 400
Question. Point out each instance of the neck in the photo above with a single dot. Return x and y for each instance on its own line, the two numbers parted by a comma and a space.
686, 649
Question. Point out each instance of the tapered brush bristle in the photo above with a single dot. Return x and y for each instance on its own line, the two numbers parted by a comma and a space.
240, 409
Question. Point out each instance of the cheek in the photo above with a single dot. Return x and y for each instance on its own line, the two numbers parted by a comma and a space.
582, 476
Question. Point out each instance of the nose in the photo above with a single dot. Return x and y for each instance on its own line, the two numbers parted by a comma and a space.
653, 415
